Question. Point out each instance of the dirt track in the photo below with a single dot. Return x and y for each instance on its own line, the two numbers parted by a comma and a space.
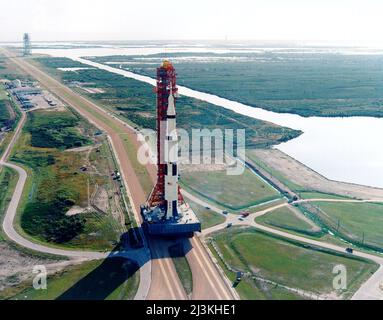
308, 178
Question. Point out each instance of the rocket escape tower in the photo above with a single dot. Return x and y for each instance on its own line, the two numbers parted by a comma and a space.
166, 212
27, 45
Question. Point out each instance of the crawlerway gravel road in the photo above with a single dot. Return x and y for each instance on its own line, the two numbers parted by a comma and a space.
140, 256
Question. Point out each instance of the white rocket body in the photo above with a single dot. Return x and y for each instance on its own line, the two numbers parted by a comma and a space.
171, 160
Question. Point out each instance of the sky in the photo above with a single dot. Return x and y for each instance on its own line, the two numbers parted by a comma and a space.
342, 21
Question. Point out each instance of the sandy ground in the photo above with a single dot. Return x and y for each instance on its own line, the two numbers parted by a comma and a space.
206, 164
202, 167
76, 210
16, 267
93, 90
308, 178
84, 148
11, 111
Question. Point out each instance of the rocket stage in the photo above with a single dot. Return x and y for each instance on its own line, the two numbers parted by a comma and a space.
166, 212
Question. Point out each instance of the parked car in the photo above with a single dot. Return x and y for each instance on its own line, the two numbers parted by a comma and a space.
239, 276
225, 212
293, 199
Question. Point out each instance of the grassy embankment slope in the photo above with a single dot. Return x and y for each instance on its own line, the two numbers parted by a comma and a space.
177, 254
285, 218
287, 263
360, 223
319, 84
207, 217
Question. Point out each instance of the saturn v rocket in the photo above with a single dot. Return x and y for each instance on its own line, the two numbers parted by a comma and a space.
166, 212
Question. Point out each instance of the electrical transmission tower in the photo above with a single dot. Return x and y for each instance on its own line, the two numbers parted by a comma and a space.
27, 45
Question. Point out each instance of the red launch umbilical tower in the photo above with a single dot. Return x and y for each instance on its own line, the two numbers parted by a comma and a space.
166, 87
166, 213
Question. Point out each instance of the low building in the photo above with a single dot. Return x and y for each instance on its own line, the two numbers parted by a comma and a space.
27, 91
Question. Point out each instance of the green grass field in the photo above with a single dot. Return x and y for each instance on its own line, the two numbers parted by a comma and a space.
139, 169
10, 71
253, 289
285, 218
3, 93
8, 180
319, 195
4, 112
100, 232
55, 130
111, 279
232, 192
208, 218
7, 119
183, 270
362, 222
289, 263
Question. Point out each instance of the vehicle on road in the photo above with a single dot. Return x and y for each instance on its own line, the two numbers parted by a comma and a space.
349, 250
229, 225
225, 212
293, 199
245, 214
